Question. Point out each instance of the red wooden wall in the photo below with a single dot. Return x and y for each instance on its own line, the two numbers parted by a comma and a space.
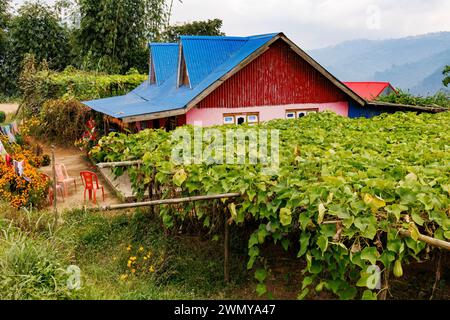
277, 77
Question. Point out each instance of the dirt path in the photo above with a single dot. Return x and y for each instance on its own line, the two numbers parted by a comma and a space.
75, 162
9, 107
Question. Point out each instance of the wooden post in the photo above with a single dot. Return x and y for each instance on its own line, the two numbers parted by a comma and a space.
226, 246
383, 294
55, 194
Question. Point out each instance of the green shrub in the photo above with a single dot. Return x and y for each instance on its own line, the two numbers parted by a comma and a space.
63, 120
440, 99
2, 117
38, 84
88, 85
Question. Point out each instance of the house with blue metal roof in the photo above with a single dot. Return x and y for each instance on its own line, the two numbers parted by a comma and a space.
210, 81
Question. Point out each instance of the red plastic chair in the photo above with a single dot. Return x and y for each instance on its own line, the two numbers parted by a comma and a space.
90, 182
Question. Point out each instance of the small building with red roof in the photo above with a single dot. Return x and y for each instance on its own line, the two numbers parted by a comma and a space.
370, 91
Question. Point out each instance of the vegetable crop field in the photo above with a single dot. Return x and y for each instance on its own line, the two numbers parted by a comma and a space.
350, 196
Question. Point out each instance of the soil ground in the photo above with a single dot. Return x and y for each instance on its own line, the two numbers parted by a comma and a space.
9, 107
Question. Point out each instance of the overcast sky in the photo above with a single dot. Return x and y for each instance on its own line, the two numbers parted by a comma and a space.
319, 23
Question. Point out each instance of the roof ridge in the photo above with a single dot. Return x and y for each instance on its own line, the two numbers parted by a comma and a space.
228, 38
163, 43
246, 38
383, 82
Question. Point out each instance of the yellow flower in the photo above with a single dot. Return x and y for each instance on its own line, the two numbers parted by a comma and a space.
133, 271
129, 248
129, 264
145, 258
141, 249
123, 277
133, 258
151, 269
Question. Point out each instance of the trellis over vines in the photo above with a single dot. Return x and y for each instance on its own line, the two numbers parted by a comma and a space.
377, 177
412, 233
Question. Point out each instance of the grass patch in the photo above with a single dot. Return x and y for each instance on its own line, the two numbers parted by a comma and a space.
31, 268
164, 267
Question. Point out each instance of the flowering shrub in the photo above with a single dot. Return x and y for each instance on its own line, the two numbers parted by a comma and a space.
33, 153
89, 138
17, 190
30, 127
24, 190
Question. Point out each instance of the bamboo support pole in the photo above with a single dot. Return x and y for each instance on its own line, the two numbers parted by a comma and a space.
167, 201
429, 240
119, 164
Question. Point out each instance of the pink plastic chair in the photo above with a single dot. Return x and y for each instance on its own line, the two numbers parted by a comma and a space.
62, 178
90, 181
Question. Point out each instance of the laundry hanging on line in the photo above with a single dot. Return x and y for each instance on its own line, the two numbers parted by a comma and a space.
10, 130
19, 166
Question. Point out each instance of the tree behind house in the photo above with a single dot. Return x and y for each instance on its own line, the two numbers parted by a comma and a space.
113, 35
35, 30
196, 28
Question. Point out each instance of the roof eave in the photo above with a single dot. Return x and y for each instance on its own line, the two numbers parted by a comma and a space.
155, 115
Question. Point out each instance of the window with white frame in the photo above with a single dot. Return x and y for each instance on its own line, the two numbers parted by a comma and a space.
253, 118
241, 118
290, 115
228, 120
300, 113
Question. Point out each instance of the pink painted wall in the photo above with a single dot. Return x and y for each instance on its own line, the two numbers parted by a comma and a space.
214, 116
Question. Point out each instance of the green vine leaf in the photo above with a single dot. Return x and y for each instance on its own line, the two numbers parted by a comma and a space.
369, 295
261, 275
322, 211
261, 289
285, 217
180, 177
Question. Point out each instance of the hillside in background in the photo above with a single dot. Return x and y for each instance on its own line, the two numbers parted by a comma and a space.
412, 63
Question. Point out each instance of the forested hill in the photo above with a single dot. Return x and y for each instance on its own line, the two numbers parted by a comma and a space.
412, 63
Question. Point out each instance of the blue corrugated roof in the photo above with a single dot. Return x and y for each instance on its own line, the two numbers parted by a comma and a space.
165, 60
204, 54
207, 58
